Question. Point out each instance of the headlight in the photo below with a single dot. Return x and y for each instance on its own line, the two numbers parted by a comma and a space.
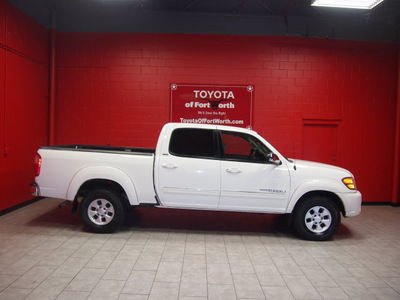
350, 183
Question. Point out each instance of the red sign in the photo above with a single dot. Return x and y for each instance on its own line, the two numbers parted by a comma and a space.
212, 104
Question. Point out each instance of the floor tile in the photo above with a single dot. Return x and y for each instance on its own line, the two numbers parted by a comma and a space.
14, 294
277, 293
301, 287
22, 265
332, 293
366, 277
33, 277
269, 275
139, 283
43, 259
393, 282
68, 295
217, 257
173, 254
107, 290
219, 274
194, 263
164, 291
248, 286
102, 259
354, 289
287, 266
318, 276
85, 280
385, 293
148, 261
70, 267
7, 280
133, 297
129, 252
49, 289
119, 270
194, 285
169, 272
221, 292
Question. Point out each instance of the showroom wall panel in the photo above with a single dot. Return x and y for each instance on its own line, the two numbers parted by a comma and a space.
296, 80
23, 101
82, 105
114, 89
2, 96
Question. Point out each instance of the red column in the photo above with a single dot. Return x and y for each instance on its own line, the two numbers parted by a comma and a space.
396, 165
52, 85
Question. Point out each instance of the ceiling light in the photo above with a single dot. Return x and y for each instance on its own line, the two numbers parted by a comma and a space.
360, 4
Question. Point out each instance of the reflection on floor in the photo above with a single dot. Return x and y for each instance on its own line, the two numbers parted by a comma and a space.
45, 253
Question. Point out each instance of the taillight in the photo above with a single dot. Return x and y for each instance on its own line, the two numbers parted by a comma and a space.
38, 164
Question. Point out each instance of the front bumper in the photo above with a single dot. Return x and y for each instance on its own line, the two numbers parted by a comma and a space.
352, 203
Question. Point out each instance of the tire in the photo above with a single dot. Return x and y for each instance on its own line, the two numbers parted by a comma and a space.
101, 211
317, 219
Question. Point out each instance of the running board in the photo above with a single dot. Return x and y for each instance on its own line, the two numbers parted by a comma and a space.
61, 205
148, 205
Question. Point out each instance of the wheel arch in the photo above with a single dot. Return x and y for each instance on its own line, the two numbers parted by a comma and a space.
327, 194
92, 178
103, 184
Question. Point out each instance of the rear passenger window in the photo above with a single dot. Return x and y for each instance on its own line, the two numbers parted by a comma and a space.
192, 142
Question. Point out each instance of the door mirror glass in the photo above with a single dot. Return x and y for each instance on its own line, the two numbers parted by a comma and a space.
273, 159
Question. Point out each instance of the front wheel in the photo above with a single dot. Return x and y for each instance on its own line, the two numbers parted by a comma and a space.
317, 219
101, 211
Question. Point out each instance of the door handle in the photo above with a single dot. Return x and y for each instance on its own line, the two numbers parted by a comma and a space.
169, 166
234, 170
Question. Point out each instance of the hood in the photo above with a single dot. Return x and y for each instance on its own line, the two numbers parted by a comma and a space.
320, 168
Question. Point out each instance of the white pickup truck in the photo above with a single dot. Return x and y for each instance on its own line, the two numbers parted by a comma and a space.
197, 167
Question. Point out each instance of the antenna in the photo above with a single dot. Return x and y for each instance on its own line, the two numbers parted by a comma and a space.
294, 153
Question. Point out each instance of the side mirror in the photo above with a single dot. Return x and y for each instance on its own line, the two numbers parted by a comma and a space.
273, 159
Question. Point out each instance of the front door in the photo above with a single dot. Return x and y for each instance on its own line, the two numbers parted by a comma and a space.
249, 182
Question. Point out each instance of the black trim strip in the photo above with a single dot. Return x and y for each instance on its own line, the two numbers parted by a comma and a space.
376, 203
21, 205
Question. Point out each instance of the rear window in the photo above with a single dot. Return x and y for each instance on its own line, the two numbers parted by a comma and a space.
192, 142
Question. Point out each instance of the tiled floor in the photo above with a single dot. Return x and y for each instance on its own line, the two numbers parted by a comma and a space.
174, 254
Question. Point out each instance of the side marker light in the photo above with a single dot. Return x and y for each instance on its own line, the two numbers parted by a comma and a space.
350, 183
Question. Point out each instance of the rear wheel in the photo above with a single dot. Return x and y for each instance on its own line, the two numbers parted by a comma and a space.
101, 211
317, 219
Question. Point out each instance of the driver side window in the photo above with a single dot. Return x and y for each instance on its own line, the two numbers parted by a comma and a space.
243, 147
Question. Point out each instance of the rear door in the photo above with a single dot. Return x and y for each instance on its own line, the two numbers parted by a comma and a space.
189, 170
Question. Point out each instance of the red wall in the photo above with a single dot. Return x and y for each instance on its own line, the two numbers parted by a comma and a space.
113, 88
23, 101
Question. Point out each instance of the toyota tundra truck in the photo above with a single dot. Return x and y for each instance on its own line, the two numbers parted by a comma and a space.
201, 167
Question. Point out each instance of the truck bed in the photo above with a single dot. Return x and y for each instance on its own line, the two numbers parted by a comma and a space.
66, 167
97, 148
